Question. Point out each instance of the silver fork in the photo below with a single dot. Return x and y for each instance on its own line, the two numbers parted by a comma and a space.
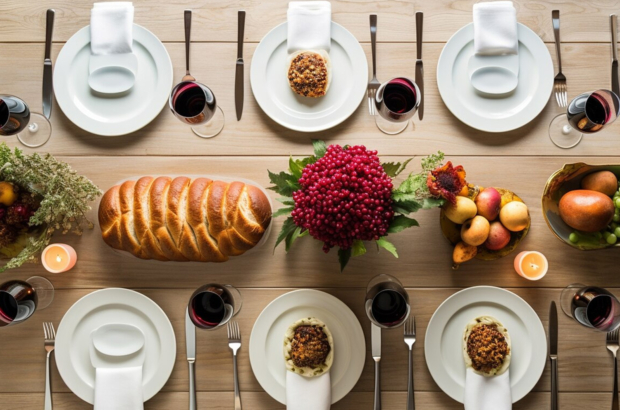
410, 340
234, 342
559, 82
50, 341
373, 84
612, 346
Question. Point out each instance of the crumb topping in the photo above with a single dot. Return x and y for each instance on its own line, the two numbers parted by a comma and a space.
307, 75
487, 348
310, 346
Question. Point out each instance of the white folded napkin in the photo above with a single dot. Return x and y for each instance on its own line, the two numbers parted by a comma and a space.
308, 393
309, 25
487, 393
111, 28
119, 388
495, 28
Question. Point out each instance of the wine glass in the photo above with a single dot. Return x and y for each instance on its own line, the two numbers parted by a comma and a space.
387, 302
19, 299
591, 306
32, 129
194, 103
587, 113
397, 101
213, 305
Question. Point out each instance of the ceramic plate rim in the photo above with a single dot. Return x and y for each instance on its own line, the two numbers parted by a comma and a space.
63, 97
452, 305
72, 317
257, 346
260, 95
540, 97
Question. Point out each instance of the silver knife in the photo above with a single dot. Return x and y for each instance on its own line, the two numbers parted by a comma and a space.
376, 356
239, 66
190, 343
553, 354
419, 67
48, 88
615, 87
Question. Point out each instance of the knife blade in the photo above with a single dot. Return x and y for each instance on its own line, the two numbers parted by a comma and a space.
48, 87
419, 66
376, 355
615, 86
553, 354
239, 66
190, 344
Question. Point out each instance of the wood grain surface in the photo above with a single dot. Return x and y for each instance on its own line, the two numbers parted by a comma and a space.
521, 160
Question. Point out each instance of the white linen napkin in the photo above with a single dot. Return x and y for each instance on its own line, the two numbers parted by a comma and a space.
308, 393
309, 25
487, 393
495, 28
111, 28
119, 388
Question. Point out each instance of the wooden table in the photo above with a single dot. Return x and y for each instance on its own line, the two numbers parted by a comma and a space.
521, 160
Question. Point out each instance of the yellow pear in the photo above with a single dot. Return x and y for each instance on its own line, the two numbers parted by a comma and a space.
460, 212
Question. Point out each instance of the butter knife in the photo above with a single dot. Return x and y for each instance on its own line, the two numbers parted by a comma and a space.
239, 66
615, 87
48, 88
553, 354
419, 67
376, 356
190, 343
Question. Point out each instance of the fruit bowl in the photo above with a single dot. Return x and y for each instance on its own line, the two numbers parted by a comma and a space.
559, 183
452, 231
12, 250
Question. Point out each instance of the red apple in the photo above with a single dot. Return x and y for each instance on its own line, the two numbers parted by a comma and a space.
498, 238
488, 203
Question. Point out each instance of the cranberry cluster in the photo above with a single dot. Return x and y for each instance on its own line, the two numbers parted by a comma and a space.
344, 196
15, 217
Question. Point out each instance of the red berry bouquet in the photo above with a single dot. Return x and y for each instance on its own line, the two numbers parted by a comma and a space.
345, 196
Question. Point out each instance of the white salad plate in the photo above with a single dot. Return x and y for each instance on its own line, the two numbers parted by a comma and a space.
119, 306
271, 89
493, 113
267, 341
118, 114
443, 346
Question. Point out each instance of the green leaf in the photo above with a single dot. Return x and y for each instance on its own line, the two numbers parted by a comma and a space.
388, 246
395, 168
430, 203
288, 227
432, 161
291, 237
400, 223
285, 183
343, 257
286, 200
406, 207
283, 211
320, 148
358, 248
296, 167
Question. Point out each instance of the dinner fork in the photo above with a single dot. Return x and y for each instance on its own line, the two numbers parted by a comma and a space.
559, 82
612, 346
409, 331
234, 342
50, 341
373, 84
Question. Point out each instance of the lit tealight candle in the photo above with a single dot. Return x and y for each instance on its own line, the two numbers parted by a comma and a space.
531, 265
58, 258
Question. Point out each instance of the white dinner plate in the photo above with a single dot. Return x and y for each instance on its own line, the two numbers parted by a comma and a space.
495, 114
120, 114
444, 338
114, 305
274, 95
266, 341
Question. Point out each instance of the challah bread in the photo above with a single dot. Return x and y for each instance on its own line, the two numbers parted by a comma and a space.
184, 219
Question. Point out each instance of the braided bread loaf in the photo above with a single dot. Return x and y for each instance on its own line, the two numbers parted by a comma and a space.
182, 219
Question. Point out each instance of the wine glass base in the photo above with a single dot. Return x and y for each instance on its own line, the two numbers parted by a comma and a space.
37, 133
566, 298
390, 127
562, 134
211, 128
44, 290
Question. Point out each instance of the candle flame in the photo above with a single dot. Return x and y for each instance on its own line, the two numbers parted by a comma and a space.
58, 258
534, 266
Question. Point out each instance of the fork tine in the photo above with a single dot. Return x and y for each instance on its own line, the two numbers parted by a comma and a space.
414, 325
228, 329
238, 330
44, 330
53, 331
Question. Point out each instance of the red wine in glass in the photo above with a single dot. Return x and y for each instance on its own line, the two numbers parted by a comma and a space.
400, 95
192, 102
397, 101
213, 305
387, 302
596, 308
18, 301
590, 112
14, 115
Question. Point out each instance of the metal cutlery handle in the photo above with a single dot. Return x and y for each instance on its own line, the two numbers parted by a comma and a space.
555, 14
240, 30
373, 42
410, 397
613, 19
48, 390
192, 386
554, 383
188, 31
49, 30
377, 384
419, 19
614, 400
236, 377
